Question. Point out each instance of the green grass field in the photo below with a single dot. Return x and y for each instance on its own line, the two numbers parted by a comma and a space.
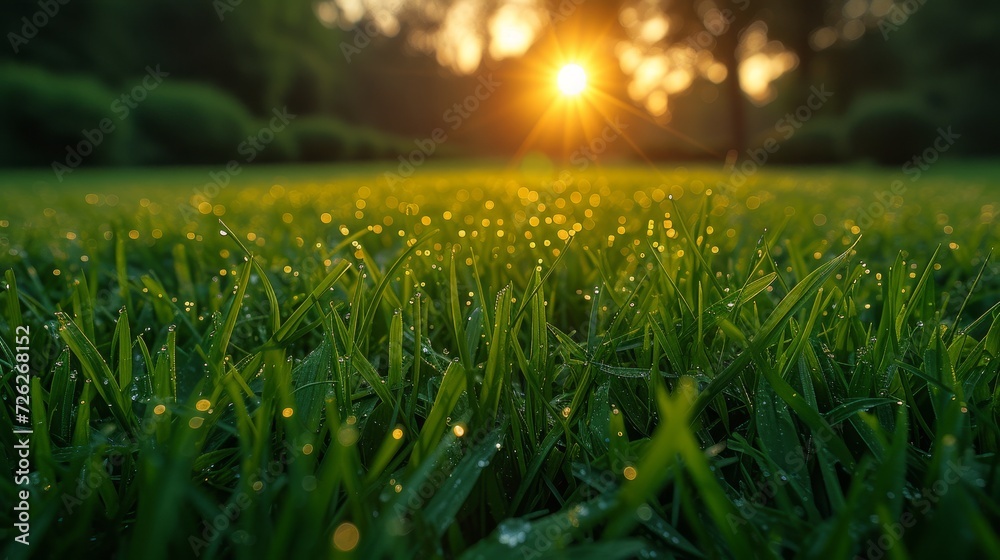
621, 363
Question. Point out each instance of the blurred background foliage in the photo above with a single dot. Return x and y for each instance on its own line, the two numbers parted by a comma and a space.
359, 94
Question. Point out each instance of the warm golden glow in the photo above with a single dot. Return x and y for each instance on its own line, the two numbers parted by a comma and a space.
630, 473
572, 79
346, 537
513, 29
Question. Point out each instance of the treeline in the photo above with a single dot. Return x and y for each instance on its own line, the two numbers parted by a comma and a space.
173, 81
112, 82
924, 71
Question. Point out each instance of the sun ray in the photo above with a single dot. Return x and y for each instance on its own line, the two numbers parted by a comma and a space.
649, 162
646, 117
532, 135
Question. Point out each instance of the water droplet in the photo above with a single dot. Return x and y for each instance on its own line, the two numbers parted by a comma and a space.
513, 532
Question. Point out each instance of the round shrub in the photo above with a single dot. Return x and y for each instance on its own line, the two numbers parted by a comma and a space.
818, 141
323, 139
48, 117
327, 139
370, 143
889, 129
189, 123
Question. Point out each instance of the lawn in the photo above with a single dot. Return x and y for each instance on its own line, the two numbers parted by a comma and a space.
473, 363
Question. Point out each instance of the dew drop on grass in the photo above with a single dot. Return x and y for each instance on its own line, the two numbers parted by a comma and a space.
513, 532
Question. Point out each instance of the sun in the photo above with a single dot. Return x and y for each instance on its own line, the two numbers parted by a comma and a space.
572, 79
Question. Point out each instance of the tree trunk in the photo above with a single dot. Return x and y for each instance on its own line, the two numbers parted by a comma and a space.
725, 52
